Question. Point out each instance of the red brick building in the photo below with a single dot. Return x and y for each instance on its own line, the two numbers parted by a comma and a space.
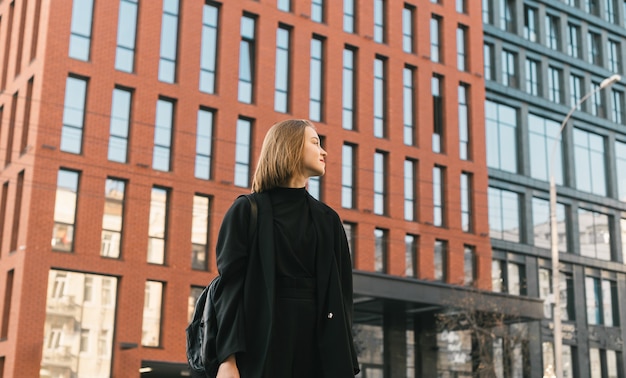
128, 127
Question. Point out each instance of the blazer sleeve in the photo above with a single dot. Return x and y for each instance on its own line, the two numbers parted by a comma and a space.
232, 260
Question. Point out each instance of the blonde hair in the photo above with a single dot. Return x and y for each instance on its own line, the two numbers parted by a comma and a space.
281, 154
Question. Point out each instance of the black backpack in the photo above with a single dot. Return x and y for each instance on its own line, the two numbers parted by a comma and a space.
202, 331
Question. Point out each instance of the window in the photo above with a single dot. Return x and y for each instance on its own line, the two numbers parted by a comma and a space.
157, 226
410, 189
65, 210
469, 265
541, 224
615, 65
317, 11
17, 212
247, 53
488, 61
408, 28
435, 39
200, 232
436, 88
316, 81
487, 11
380, 32
545, 289
509, 68
543, 137
410, 254
348, 88
610, 13
575, 84
112, 219
314, 186
80, 30
597, 101
11, 128
617, 106
169, 41
552, 32
589, 162
532, 77
464, 121
126, 36
439, 187
348, 170
380, 183
120, 123
566, 284
461, 6
620, 168
507, 15
380, 98
7, 46
504, 214
380, 250
594, 41
594, 235
603, 360
466, 202
408, 105
284, 5
349, 13
163, 134
601, 300
530, 23
623, 228
208, 49
3, 208
73, 115
573, 41
593, 7
204, 144
515, 279
242, 152
440, 260
194, 294
282, 70
350, 230
151, 325
555, 77
501, 136
461, 48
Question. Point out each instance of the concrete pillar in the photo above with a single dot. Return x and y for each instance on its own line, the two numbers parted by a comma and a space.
394, 339
425, 346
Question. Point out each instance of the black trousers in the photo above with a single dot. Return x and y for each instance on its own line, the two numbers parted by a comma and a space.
293, 348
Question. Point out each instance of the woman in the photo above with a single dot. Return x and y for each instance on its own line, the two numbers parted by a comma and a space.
284, 301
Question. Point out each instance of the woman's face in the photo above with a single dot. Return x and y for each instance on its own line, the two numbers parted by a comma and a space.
314, 156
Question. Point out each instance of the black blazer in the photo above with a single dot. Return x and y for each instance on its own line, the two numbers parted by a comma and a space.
244, 298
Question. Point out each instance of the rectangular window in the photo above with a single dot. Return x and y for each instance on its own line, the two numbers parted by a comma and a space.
597, 101
615, 64
208, 49
541, 224
73, 115
497, 276
152, 311
461, 6
380, 183
436, 88
247, 53
200, 232
317, 11
17, 213
530, 23
464, 121
501, 136
348, 89
487, 11
601, 301
545, 290
163, 134
380, 98
594, 235
410, 253
469, 265
11, 129
590, 162
169, 41
3, 210
620, 168
380, 250
408, 28
348, 171
80, 30
440, 260
7, 46
112, 218
507, 15
351, 234
553, 39
6, 310
610, 12
488, 52
461, 48
380, 15
284, 5
509, 68
515, 279
435, 39
316, 80
65, 210
408, 105
126, 35
157, 226
555, 78
566, 286
593, 7
594, 41
204, 144
410, 189
349, 14
573, 41
575, 84
282, 71
504, 215
617, 106
26, 120
35, 33
467, 204
121, 103
532, 76
242, 152
544, 136
439, 187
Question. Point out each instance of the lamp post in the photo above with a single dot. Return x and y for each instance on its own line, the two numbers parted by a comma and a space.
558, 360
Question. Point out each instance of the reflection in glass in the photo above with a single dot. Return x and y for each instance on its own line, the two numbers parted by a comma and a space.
501, 136
504, 214
594, 234
316, 80
242, 153
163, 131
80, 30
112, 218
246, 59
204, 144
200, 232
126, 31
65, 210
348, 86
73, 115
408, 105
347, 176
541, 224
120, 123
380, 185
380, 251
156, 226
151, 325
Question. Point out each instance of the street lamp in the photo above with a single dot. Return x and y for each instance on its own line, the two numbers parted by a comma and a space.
558, 360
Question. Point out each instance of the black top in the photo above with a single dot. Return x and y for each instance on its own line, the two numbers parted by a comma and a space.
294, 233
